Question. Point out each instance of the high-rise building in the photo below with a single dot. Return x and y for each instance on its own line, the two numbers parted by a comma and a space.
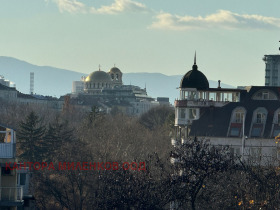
272, 70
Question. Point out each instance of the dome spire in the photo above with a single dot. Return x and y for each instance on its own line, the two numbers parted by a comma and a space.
194, 67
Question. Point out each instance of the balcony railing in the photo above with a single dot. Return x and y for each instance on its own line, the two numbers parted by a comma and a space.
11, 193
7, 150
199, 103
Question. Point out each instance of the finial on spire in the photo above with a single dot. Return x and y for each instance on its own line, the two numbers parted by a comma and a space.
114, 65
194, 67
99, 67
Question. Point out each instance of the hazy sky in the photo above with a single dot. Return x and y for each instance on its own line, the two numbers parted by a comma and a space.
229, 36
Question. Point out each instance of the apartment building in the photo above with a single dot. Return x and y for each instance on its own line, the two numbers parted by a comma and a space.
14, 184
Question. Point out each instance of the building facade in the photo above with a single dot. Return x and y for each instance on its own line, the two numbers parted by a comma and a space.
107, 91
272, 70
14, 184
247, 120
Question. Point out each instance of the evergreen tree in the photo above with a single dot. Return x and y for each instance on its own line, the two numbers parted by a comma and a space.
57, 134
30, 137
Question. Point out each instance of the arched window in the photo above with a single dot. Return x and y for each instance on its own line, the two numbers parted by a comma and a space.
236, 122
112, 76
117, 77
258, 122
264, 94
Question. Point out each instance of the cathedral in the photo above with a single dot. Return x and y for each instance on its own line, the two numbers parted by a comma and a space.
107, 91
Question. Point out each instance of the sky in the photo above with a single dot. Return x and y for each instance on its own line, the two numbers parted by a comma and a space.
230, 37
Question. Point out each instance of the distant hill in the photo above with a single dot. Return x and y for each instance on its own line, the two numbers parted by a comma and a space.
48, 80
56, 82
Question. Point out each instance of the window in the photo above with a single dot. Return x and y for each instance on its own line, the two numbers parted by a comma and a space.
266, 94
236, 122
274, 81
6, 171
192, 114
22, 179
191, 95
260, 117
276, 132
234, 131
258, 122
239, 117
182, 113
256, 132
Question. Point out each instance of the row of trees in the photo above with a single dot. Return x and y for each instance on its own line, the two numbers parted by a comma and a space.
203, 177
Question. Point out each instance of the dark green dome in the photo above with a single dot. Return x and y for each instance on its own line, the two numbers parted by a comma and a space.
194, 79
115, 70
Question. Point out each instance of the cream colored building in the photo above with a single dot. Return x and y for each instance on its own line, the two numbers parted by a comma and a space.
14, 184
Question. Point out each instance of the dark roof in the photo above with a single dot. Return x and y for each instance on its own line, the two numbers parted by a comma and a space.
22, 95
215, 121
115, 70
194, 79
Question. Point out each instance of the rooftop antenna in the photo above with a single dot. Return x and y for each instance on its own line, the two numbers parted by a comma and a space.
31, 83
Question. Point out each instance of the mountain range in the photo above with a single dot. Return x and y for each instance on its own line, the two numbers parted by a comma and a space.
53, 81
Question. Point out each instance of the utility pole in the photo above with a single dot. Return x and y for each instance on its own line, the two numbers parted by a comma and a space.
243, 139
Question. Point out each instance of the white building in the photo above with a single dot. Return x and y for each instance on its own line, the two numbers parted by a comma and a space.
5, 82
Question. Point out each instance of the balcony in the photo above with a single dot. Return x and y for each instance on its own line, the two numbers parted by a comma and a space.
7, 150
199, 103
11, 196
